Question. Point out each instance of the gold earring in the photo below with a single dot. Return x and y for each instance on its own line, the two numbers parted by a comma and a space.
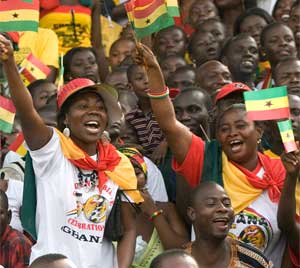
259, 141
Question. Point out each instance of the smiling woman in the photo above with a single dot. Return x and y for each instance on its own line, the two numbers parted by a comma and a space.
76, 175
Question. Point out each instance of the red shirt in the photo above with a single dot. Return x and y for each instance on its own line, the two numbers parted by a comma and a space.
15, 249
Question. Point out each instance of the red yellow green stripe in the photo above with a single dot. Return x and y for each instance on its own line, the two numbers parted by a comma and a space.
287, 135
18, 145
268, 104
7, 114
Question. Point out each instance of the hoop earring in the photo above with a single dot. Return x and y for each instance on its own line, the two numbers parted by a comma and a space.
67, 132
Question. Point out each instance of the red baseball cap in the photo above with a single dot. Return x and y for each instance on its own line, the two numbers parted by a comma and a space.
229, 88
106, 92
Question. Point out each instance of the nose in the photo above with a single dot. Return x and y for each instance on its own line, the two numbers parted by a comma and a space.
185, 116
222, 207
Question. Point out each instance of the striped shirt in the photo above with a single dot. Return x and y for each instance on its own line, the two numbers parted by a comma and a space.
147, 129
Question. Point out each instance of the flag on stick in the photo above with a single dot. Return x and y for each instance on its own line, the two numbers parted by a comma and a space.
19, 15
173, 11
267, 104
287, 135
18, 145
33, 69
147, 17
7, 114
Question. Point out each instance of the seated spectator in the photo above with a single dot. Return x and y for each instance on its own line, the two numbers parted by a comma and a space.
213, 75
203, 47
240, 54
176, 258
170, 41
182, 78
11, 182
52, 261
212, 215
15, 247
287, 73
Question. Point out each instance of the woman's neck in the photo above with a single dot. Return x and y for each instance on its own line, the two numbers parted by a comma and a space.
250, 164
212, 253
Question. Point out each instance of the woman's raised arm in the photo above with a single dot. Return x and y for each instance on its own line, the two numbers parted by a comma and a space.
36, 133
178, 136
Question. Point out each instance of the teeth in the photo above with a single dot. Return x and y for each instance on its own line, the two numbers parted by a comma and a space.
92, 123
235, 142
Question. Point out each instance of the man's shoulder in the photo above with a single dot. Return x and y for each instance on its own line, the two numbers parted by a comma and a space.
15, 237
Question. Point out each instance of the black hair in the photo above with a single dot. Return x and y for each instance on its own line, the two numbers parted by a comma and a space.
185, 68
193, 38
276, 6
131, 70
37, 83
209, 21
47, 259
251, 12
207, 98
118, 41
156, 262
268, 28
230, 41
4, 199
67, 59
283, 62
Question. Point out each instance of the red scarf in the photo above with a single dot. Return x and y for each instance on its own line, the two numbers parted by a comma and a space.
273, 177
108, 159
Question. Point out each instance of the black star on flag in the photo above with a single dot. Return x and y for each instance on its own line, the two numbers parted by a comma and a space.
269, 104
32, 69
15, 15
148, 21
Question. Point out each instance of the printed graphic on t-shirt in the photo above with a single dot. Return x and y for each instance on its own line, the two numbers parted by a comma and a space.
252, 228
86, 221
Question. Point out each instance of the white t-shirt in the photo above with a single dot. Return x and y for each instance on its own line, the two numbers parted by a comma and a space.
15, 196
71, 214
155, 182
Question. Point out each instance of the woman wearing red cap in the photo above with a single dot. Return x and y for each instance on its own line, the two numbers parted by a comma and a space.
77, 176
252, 180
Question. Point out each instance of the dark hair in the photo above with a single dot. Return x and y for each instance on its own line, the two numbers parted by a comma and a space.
268, 28
230, 41
255, 11
37, 83
209, 21
287, 60
193, 38
118, 41
131, 70
4, 199
67, 59
156, 262
276, 6
185, 68
47, 259
207, 99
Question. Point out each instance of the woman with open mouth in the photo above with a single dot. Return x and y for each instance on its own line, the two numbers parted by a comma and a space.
77, 176
252, 180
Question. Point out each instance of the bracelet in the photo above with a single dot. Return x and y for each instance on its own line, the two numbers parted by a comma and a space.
155, 214
159, 95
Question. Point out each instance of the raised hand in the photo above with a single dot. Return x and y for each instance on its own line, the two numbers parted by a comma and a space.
145, 56
6, 49
291, 162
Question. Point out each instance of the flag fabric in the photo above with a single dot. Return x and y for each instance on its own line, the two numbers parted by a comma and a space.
18, 145
33, 69
287, 135
19, 15
7, 114
267, 104
173, 11
148, 16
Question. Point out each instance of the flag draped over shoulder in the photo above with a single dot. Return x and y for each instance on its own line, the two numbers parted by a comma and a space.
148, 16
18, 145
19, 15
33, 69
267, 104
287, 135
7, 114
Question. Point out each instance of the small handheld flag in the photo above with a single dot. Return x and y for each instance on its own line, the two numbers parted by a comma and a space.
287, 135
147, 17
19, 15
33, 69
7, 114
18, 145
267, 104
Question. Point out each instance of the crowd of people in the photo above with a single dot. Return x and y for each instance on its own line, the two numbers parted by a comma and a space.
144, 157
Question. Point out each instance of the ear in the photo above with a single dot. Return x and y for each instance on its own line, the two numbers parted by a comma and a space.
259, 131
191, 214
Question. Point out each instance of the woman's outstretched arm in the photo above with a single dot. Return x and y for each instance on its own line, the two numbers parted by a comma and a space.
36, 133
178, 136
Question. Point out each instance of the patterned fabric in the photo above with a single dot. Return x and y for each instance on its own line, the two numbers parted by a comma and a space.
242, 255
147, 129
15, 249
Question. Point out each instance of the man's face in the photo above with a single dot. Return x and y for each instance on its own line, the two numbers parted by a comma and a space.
288, 74
294, 102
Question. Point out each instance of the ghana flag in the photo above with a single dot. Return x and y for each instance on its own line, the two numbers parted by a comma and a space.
18, 145
267, 104
33, 69
287, 135
19, 15
147, 17
173, 11
7, 114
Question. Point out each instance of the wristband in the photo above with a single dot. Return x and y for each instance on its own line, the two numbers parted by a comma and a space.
155, 214
159, 95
